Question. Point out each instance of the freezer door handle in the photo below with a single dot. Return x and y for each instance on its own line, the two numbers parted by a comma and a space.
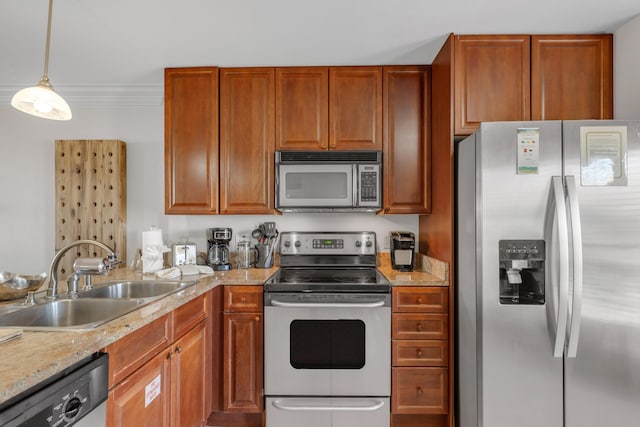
558, 215
576, 236
368, 405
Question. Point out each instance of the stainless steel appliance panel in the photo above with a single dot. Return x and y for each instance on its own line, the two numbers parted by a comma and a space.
603, 381
328, 412
281, 378
517, 380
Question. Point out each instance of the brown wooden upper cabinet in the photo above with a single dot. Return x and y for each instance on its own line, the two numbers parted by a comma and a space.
329, 108
491, 80
572, 77
247, 140
191, 140
302, 108
522, 77
407, 167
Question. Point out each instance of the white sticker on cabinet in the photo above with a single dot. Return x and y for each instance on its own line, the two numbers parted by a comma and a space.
152, 390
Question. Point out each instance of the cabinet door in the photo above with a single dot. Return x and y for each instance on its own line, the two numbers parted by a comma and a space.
243, 353
572, 77
355, 108
188, 379
142, 399
406, 140
302, 108
191, 140
492, 80
246, 140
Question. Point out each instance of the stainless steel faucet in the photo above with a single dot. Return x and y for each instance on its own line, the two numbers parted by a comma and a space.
101, 267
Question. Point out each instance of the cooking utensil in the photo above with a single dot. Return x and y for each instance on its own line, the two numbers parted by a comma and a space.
258, 234
15, 286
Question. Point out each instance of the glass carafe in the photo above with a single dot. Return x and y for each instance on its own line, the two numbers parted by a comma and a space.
247, 254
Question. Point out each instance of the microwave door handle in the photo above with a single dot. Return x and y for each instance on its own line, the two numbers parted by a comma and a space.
372, 405
354, 186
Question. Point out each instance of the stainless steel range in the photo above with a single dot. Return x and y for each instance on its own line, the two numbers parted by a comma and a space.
327, 333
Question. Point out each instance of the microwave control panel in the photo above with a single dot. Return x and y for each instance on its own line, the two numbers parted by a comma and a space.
369, 185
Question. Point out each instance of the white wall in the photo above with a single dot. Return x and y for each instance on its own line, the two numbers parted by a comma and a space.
27, 234
626, 69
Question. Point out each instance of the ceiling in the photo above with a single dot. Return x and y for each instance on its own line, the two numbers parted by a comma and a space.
109, 44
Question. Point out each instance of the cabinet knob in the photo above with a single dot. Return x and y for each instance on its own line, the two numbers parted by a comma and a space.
419, 391
168, 355
419, 327
419, 352
419, 300
244, 299
178, 349
257, 318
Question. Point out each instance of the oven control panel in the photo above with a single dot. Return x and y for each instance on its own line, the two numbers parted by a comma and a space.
328, 243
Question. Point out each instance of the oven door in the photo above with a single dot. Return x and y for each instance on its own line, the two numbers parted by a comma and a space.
315, 186
321, 345
327, 412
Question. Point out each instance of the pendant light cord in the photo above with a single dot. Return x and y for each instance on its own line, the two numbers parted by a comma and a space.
46, 49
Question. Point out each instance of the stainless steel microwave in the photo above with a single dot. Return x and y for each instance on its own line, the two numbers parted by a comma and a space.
328, 181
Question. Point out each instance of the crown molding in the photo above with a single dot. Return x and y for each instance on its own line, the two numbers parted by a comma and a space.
99, 95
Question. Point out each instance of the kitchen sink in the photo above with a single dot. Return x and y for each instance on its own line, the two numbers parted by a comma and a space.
92, 308
69, 314
142, 289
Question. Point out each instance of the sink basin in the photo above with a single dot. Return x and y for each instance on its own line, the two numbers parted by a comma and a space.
143, 289
69, 314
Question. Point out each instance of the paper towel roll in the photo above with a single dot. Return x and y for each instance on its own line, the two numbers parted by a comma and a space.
152, 238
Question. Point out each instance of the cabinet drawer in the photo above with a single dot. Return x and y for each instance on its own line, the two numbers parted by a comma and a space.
134, 350
419, 390
419, 353
419, 326
420, 299
189, 315
243, 298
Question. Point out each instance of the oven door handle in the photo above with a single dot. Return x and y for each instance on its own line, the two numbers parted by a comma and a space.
375, 304
282, 404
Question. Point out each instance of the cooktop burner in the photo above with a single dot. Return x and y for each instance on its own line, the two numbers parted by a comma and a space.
329, 279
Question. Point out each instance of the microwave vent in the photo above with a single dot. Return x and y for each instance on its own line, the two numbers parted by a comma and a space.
329, 156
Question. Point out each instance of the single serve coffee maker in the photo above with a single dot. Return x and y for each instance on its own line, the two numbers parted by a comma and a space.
402, 250
218, 255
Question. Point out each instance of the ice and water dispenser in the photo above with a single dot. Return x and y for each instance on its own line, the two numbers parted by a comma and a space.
521, 271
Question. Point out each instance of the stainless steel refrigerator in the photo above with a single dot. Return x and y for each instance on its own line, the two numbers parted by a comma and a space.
548, 275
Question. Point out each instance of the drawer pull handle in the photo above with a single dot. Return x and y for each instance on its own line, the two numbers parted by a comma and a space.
419, 352
419, 327
419, 391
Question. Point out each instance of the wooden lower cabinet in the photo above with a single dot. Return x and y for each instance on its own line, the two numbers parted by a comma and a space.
171, 387
420, 357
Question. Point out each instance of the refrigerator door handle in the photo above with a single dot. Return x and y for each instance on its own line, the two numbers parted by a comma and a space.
576, 236
558, 216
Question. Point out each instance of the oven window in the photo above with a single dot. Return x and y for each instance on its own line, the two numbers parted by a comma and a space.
327, 344
316, 185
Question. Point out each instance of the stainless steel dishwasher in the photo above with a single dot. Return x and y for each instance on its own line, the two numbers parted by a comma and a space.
74, 397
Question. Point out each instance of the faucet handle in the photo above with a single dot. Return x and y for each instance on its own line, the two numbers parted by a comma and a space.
112, 261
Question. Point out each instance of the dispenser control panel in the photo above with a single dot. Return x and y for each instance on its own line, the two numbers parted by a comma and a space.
521, 271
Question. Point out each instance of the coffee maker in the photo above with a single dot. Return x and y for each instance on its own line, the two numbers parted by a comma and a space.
218, 255
402, 250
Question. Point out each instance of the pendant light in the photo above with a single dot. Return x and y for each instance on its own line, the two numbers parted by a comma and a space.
41, 100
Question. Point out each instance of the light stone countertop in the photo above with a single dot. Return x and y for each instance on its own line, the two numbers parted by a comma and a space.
36, 356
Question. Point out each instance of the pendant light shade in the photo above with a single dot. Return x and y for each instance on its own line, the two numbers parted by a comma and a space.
41, 100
